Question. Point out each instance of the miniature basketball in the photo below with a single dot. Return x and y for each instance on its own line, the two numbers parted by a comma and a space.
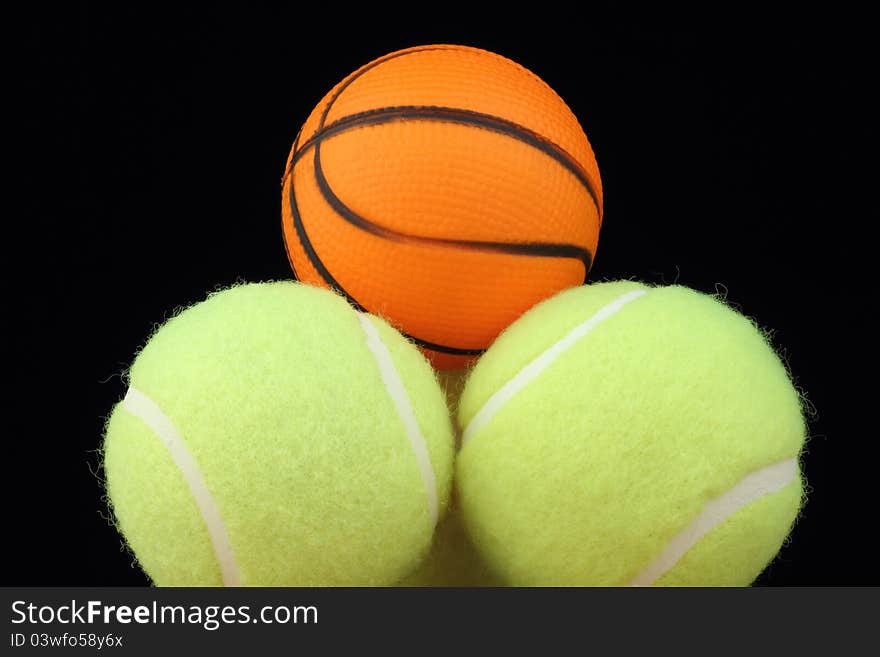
445, 188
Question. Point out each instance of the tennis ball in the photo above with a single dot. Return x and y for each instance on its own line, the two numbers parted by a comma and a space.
620, 434
271, 435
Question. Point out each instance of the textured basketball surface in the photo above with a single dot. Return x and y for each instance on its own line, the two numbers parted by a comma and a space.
273, 436
445, 188
619, 434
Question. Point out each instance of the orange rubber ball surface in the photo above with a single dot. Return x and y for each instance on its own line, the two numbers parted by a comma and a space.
446, 189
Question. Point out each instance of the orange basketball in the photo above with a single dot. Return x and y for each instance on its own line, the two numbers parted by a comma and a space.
445, 188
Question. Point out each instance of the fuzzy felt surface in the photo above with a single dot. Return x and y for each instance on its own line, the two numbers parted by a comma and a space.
585, 475
281, 403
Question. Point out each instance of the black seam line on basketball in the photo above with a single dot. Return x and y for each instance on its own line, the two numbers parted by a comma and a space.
452, 115
300, 228
333, 283
369, 67
297, 219
356, 75
293, 158
452, 351
283, 236
310, 250
533, 249
455, 115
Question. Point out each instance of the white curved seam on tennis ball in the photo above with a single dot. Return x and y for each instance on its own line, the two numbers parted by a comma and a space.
394, 386
749, 489
148, 411
525, 376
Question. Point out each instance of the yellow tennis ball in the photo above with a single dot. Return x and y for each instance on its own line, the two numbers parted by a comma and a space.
619, 434
271, 435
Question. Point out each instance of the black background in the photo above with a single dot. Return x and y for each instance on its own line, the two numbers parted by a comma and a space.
155, 147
